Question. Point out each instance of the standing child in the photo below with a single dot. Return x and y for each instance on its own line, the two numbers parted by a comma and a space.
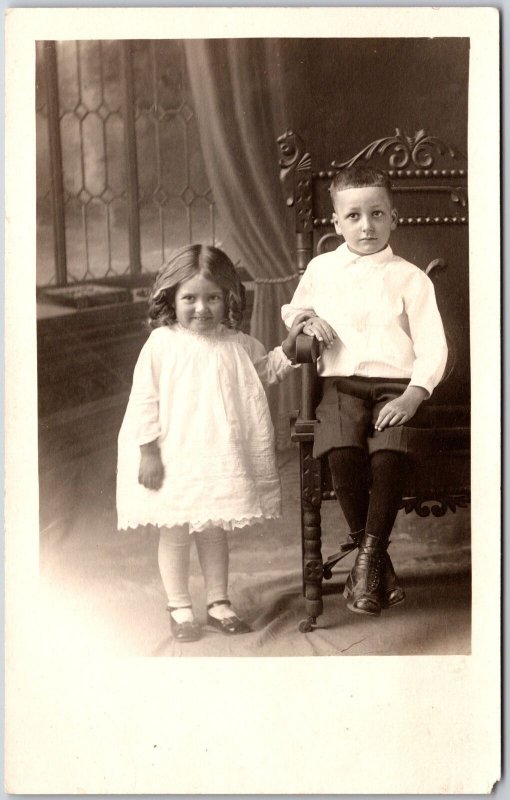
196, 448
384, 353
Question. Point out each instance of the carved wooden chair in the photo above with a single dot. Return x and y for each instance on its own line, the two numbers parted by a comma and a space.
429, 180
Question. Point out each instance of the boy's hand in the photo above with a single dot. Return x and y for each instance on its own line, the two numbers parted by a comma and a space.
151, 472
321, 329
288, 344
401, 409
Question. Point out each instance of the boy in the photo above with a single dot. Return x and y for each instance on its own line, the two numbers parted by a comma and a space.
384, 353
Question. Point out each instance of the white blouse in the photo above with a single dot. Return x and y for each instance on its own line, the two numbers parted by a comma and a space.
202, 398
384, 311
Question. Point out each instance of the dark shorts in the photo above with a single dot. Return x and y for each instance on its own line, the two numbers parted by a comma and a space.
350, 407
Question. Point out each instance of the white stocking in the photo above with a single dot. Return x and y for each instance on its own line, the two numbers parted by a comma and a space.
212, 548
173, 560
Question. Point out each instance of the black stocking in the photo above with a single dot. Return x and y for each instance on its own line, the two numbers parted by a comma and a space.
350, 474
388, 469
369, 491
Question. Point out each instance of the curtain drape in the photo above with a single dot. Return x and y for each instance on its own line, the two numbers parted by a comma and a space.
233, 95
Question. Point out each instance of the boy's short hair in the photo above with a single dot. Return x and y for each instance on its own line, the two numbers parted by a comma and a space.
359, 176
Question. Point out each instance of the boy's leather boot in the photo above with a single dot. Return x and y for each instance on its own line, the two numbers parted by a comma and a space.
364, 585
391, 591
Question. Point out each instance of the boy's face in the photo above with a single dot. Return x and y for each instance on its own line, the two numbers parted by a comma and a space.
365, 218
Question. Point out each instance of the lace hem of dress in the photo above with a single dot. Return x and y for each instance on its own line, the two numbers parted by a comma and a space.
199, 525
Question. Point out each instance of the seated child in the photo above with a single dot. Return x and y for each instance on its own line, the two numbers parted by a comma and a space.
384, 352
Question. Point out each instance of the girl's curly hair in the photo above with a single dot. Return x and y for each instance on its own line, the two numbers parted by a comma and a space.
184, 264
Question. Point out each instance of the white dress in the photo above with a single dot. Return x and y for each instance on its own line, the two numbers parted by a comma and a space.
202, 398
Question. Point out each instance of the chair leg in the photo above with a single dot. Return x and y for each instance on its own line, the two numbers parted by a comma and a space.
311, 498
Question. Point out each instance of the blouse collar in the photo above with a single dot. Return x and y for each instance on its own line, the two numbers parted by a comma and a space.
216, 333
348, 257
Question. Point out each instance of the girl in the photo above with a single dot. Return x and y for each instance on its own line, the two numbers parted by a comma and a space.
196, 447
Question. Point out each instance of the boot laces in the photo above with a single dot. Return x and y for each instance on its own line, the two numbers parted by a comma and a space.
374, 574
374, 562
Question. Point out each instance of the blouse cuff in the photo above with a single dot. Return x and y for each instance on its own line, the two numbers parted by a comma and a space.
289, 314
147, 436
423, 383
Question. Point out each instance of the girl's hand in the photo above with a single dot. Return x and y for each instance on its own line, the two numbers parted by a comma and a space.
151, 472
288, 344
401, 409
321, 329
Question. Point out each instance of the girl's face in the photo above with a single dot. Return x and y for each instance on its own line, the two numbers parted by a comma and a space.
199, 304
365, 218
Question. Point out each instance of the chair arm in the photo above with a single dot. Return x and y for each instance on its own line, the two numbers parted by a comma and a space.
306, 353
307, 349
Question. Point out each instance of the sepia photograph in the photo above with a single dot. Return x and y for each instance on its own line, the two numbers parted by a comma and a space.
254, 362
166, 161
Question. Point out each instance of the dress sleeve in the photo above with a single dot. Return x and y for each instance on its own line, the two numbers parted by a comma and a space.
427, 333
271, 367
302, 299
144, 397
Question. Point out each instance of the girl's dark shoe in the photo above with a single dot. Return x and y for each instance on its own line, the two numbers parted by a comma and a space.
229, 625
363, 588
188, 631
